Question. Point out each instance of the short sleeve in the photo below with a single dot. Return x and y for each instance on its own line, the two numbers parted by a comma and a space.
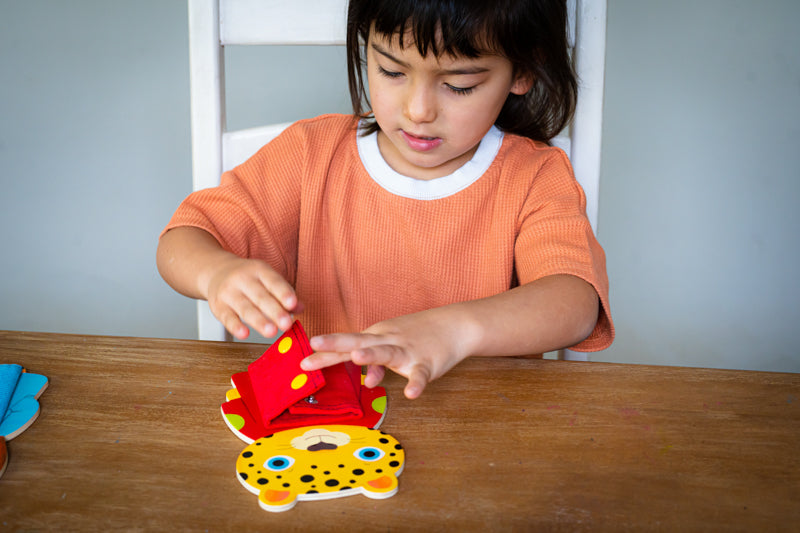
555, 237
255, 211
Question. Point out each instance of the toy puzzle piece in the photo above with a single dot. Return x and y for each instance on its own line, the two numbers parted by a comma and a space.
278, 381
320, 462
273, 395
9, 376
247, 425
3, 456
23, 405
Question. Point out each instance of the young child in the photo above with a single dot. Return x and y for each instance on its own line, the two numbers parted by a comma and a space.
435, 226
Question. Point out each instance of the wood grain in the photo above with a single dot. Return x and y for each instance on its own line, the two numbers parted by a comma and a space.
130, 437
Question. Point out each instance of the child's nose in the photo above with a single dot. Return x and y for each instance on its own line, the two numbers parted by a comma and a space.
420, 104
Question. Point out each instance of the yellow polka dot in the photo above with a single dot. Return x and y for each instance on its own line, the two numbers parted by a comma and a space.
299, 381
285, 345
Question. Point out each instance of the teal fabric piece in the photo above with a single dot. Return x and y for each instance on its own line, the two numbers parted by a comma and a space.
23, 407
9, 376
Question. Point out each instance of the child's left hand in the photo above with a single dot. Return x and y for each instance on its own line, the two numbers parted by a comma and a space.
421, 347
543, 315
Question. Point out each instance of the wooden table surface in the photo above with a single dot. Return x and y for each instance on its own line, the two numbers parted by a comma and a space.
130, 436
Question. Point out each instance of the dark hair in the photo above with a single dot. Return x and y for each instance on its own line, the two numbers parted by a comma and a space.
532, 34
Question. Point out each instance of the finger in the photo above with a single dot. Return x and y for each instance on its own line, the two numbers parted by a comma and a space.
344, 342
320, 360
265, 311
374, 376
231, 321
387, 355
281, 290
417, 380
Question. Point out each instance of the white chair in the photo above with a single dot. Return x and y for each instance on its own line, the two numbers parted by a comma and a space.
214, 24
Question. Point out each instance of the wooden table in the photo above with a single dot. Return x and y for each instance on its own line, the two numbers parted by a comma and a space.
131, 437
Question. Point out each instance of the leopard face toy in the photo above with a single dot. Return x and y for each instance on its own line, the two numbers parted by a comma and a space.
320, 462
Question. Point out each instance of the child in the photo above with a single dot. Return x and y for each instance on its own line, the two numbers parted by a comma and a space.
436, 226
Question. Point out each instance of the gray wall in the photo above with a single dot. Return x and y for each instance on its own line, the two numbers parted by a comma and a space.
700, 166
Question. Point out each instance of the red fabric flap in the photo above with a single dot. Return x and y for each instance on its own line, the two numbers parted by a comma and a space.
339, 396
277, 379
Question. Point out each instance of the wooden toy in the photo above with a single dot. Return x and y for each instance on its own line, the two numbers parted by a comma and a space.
3, 456
19, 405
320, 462
276, 394
19, 394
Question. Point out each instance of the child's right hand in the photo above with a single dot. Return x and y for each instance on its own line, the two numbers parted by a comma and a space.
239, 291
245, 292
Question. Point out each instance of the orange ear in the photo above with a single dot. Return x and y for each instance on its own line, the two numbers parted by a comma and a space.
277, 500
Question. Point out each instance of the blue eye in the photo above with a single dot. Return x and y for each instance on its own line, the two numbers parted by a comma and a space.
279, 463
369, 453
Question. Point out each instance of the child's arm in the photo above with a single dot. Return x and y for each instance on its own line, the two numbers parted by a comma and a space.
239, 291
544, 315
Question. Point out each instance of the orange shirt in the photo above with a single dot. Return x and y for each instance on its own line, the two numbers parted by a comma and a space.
358, 253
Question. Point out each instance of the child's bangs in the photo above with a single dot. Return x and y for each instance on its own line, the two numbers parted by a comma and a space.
439, 28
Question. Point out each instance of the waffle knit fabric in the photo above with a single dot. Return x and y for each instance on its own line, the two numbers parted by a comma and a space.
358, 250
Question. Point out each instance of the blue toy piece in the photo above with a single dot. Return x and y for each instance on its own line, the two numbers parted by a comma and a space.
19, 405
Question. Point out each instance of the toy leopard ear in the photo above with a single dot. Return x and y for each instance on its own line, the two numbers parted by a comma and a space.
277, 501
384, 486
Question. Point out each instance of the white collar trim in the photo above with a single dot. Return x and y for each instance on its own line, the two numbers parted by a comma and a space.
436, 188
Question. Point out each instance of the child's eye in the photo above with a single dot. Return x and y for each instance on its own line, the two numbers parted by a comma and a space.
389, 73
460, 90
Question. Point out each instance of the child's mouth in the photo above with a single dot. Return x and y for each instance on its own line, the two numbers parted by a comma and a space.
420, 143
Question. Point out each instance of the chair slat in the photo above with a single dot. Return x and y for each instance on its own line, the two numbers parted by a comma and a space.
281, 22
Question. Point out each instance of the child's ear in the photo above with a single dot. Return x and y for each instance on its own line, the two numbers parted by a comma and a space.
523, 82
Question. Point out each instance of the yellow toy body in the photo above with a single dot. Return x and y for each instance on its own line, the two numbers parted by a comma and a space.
320, 462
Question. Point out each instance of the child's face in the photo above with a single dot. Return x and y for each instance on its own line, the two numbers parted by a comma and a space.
433, 112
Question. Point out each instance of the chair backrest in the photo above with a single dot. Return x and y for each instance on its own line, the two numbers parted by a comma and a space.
214, 24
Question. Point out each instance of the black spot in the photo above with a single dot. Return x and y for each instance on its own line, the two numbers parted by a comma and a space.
398, 447
394, 464
307, 479
251, 465
384, 441
286, 484
392, 454
279, 477
341, 466
332, 482
352, 481
327, 473
346, 488
262, 481
247, 455
379, 470
358, 472
243, 475
313, 466
312, 491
